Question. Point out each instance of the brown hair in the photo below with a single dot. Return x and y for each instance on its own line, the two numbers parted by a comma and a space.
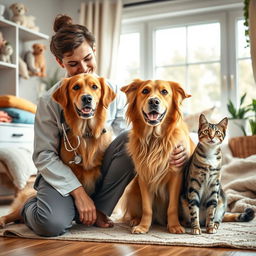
68, 36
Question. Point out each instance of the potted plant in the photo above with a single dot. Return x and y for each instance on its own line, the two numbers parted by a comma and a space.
237, 121
245, 146
252, 121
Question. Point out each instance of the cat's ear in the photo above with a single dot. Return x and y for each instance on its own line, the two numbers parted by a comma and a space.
202, 120
223, 123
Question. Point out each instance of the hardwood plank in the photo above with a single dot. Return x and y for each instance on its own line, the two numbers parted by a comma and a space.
192, 251
22, 246
38, 247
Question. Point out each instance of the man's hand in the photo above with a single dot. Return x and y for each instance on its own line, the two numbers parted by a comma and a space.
179, 156
85, 206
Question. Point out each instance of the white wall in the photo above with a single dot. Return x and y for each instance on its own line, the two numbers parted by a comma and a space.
45, 12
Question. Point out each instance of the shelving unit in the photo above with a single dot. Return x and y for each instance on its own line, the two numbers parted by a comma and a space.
17, 36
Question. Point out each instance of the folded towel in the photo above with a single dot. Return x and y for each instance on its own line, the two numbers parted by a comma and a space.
4, 117
19, 115
11, 101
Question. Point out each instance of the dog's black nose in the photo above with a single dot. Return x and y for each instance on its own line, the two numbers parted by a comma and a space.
87, 99
154, 102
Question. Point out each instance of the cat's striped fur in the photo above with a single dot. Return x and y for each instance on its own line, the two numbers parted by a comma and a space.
203, 201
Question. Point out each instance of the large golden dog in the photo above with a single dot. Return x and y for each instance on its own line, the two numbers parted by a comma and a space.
84, 100
157, 128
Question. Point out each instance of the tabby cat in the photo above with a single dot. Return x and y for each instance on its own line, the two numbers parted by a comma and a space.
203, 201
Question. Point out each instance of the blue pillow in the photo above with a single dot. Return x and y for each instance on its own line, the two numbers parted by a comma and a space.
19, 115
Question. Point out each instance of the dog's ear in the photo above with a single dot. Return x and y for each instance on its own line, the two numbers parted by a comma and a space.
107, 92
178, 92
131, 87
178, 96
61, 94
12, 6
130, 90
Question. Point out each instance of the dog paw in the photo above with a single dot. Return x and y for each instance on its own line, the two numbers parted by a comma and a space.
139, 230
177, 229
134, 222
196, 231
211, 230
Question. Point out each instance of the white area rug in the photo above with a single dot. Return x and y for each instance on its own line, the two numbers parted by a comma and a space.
231, 235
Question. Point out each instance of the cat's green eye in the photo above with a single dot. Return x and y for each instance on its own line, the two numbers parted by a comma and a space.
205, 132
217, 132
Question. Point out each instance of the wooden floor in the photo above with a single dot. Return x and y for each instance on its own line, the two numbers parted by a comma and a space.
36, 247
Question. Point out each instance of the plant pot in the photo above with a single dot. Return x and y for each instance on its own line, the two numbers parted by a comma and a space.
243, 146
235, 127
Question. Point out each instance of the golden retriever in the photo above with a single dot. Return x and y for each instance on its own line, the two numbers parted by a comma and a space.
157, 128
84, 99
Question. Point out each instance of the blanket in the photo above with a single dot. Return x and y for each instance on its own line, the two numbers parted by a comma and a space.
239, 181
19, 165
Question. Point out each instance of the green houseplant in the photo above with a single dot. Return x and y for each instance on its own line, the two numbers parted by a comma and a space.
245, 146
252, 121
238, 118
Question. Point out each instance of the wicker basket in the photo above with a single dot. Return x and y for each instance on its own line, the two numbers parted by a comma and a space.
243, 146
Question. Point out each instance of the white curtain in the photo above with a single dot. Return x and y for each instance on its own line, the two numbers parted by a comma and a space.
252, 34
103, 19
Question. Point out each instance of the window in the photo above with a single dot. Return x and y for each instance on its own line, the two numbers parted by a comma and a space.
190, 55
244, 65
128, 58
204, 52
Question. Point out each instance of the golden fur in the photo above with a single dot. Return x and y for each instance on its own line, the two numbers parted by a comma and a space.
82, 120
157, 128
92, 148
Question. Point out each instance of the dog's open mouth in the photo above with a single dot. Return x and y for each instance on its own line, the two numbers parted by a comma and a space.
85, 112
153, 117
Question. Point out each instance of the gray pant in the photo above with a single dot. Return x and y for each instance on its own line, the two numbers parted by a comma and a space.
51, 214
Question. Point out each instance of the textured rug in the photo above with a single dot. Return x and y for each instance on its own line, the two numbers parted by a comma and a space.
230, 235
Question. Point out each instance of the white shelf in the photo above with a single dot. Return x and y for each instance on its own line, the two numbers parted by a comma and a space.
17, 36
5, 65
30, 35
7, 23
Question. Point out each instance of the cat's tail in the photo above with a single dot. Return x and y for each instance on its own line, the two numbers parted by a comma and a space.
246, 216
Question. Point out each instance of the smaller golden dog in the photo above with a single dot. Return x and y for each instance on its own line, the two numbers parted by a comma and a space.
157, 128
84, 99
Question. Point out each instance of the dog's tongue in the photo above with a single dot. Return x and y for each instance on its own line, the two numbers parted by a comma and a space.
86, 110
153, 116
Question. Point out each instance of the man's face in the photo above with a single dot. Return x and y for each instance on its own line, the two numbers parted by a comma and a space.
81, 60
